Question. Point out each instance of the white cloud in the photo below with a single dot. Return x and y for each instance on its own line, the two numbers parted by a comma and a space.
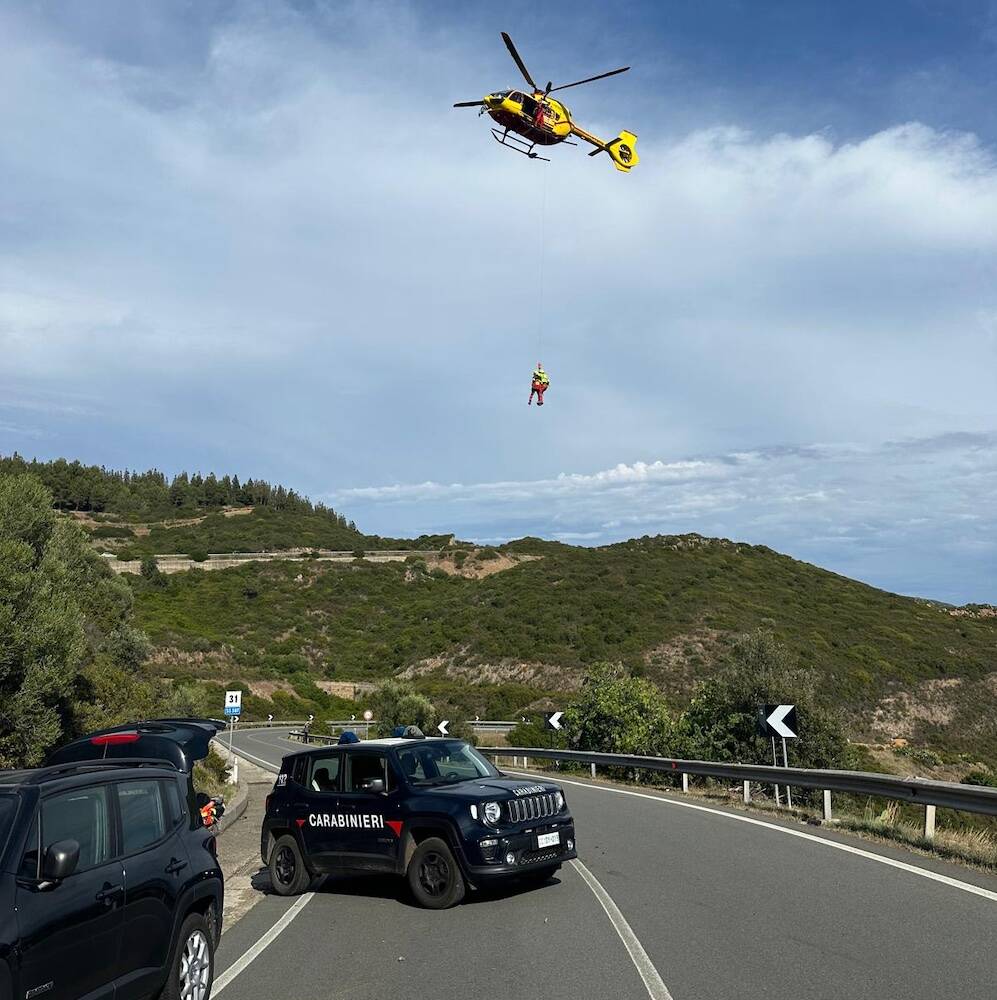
861, 509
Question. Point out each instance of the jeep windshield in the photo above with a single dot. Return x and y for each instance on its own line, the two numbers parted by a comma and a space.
443, 762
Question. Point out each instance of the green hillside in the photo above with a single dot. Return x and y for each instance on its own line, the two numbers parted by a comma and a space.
665, 607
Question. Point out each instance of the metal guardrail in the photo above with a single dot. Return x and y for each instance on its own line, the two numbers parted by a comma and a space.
920, 791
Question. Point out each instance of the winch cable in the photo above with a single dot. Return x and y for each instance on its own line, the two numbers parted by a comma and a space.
543, 247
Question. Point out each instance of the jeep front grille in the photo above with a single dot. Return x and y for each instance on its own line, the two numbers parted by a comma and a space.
531, 807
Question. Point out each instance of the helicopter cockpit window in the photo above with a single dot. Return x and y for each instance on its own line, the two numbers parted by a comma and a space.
516, 96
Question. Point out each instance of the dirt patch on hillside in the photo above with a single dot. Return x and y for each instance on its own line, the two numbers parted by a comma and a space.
950, 703
677, 663
934, 702
538, 675
476, 568
266, 689
209, 663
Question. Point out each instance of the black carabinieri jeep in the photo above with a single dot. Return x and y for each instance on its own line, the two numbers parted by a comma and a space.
433, 810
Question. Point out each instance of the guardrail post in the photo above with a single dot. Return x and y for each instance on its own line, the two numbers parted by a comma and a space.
827, 805
747, 792
685, 782
929, 822
593, 770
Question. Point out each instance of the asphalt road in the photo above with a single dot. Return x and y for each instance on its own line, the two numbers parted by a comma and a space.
718, 904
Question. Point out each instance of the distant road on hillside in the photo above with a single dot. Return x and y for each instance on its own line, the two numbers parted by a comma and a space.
178, 563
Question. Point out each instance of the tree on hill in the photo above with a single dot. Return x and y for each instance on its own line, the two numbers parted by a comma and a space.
70, 659
720, 723
616, 713
60, 609
396, 704
151, 494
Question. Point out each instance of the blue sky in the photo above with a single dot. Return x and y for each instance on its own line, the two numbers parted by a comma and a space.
255, 237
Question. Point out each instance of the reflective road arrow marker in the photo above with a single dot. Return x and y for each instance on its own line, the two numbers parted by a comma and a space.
554, 720
442, 727
777, 720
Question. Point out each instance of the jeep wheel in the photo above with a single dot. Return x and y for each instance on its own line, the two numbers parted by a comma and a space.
288, 874
192, 971
434, 876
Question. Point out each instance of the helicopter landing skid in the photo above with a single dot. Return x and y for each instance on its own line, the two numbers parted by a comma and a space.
518, 144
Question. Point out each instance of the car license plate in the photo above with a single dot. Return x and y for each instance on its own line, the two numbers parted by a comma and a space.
548, 839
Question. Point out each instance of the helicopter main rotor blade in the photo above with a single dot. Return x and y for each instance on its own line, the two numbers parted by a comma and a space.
578, 83
519, 62
469, 104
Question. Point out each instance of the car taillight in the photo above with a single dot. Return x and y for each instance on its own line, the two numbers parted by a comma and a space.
110, 739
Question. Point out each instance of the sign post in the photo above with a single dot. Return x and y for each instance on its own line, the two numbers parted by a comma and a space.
781, 721
233, 709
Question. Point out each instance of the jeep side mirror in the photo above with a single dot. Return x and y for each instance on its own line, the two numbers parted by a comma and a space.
373, 785
60, 861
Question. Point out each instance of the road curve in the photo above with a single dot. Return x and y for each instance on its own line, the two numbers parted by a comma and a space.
720, 908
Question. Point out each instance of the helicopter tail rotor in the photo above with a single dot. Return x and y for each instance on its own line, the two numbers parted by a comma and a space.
622, 150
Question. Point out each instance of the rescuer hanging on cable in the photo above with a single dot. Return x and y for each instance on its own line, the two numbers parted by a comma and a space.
540, 384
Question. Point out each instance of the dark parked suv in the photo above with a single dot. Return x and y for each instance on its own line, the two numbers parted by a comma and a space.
433, 810
109, 883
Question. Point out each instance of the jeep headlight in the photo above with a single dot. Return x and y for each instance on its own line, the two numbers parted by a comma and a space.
559, 800
492, 812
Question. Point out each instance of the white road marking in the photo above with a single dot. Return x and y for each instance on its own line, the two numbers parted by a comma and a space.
954, 883
247, 957
656, 989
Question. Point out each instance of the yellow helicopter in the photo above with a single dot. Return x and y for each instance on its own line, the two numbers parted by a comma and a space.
537, 119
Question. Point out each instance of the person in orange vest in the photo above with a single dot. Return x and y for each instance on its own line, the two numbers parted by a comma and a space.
540, 384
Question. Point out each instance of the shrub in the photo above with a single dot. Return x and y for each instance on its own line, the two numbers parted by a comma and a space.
396, 704
978, 777
616, 713
198, 555
919, 754
128, 646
